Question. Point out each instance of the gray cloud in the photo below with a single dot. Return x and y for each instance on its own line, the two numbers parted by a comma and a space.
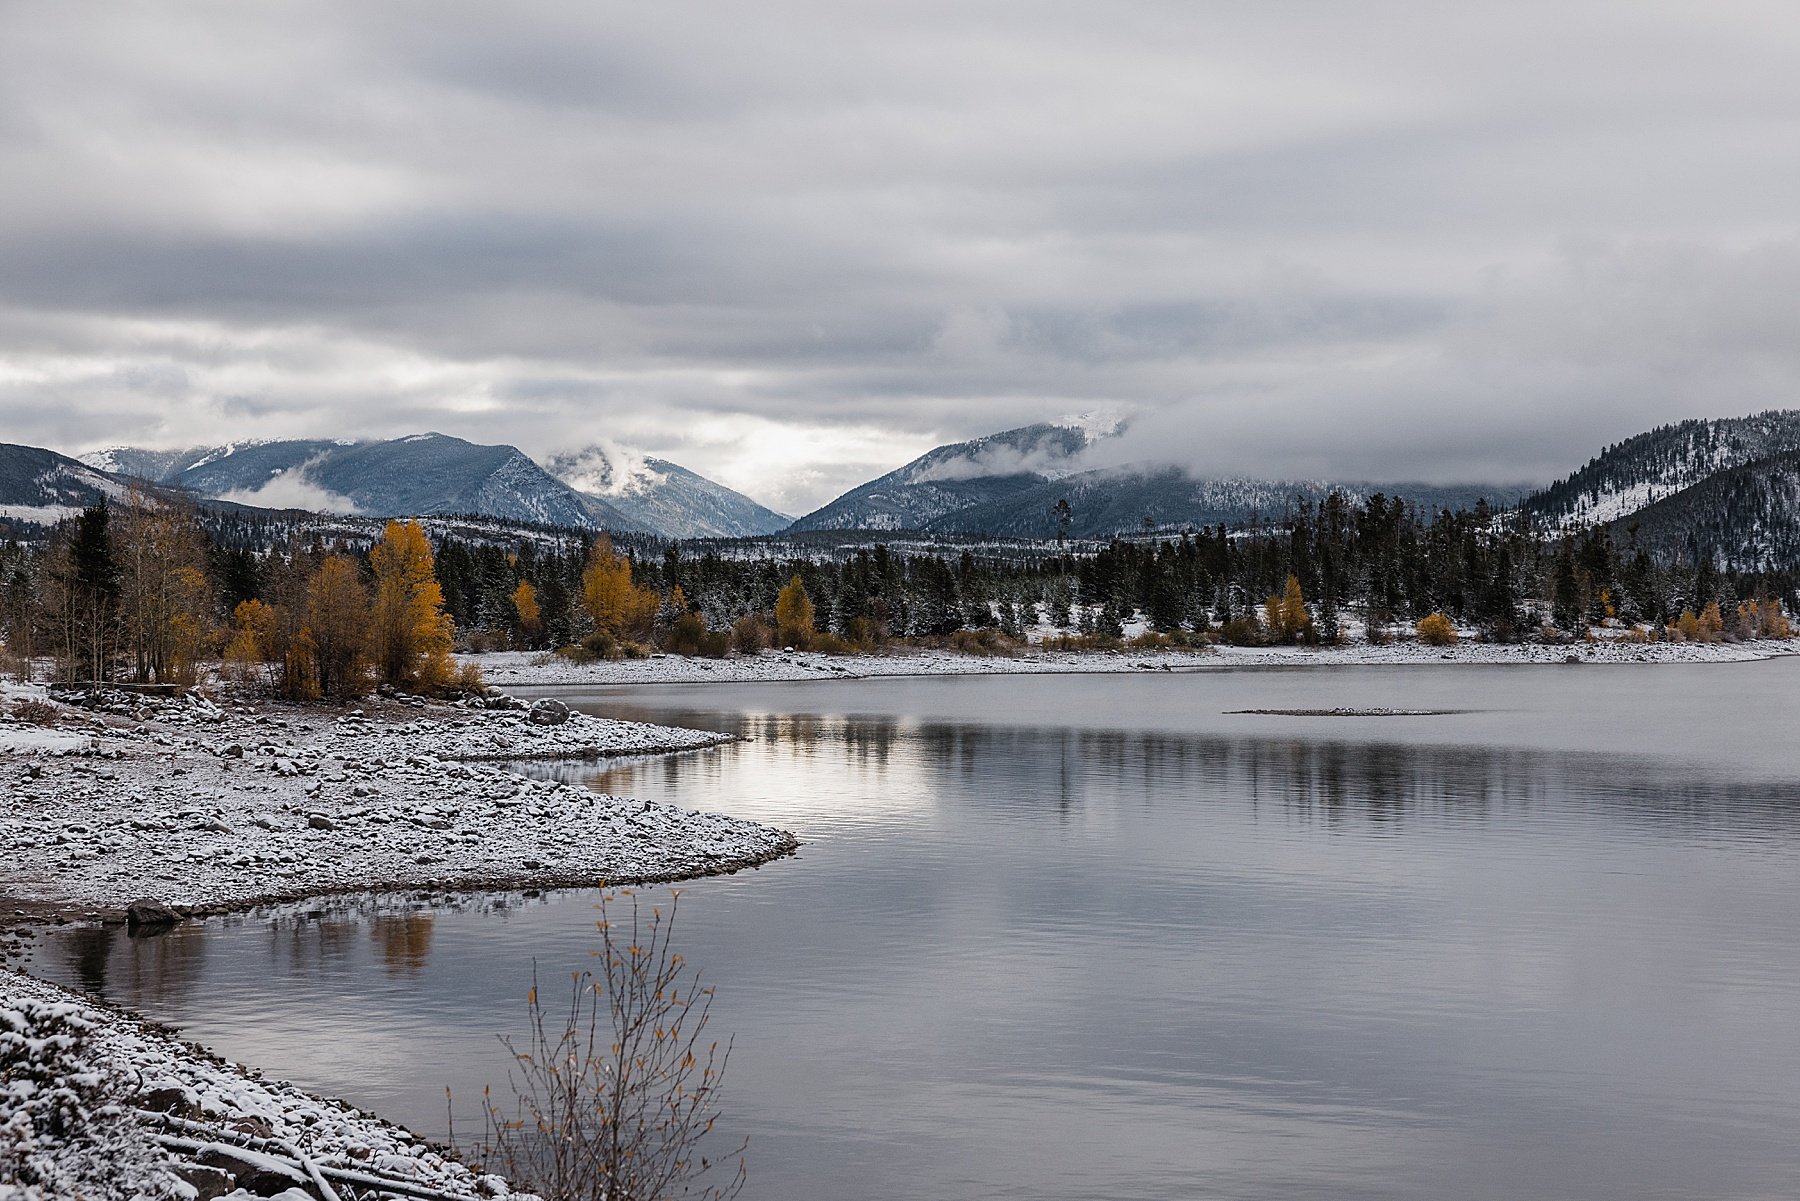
792, 244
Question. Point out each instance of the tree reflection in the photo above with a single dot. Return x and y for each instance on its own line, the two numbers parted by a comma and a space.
404, 942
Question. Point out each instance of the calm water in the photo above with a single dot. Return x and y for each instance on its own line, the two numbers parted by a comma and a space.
1094, 937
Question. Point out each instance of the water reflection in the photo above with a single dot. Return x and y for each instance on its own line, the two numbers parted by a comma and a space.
1130, 958
403, 942
159, 963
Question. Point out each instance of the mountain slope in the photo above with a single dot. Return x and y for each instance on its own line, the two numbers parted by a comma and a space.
417, 475
1746, 517
1645, 469
41, 487
663, 496
1117, 500
952, 478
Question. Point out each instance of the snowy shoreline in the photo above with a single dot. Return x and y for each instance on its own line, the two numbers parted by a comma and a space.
104, 1103
209, 809
206, 809
520, 669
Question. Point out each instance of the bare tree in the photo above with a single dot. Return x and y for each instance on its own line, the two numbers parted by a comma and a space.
615, 1101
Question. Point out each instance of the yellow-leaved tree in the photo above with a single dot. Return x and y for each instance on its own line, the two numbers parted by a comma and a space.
531, 618
329, 656
621, 610
412, 633
1286, 615
794, 615
253, 649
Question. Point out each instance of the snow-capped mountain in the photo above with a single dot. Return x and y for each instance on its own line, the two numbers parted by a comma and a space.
1010, 484
41, 487
427, 474
416, 475
663, 496
159, 465
1650, 467
1122, 500
954, 478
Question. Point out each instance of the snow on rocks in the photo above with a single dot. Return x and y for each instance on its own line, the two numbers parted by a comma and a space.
539, 731
99, 1105
204, 808
522, 669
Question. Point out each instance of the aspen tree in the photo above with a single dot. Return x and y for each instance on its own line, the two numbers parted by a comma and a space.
620, 609
794, 615
336, 634
525, 605
413, 634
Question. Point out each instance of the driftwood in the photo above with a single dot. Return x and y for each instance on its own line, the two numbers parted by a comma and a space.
286, 1157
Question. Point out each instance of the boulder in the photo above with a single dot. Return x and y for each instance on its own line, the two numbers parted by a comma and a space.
548, 712
319, 821
149, 912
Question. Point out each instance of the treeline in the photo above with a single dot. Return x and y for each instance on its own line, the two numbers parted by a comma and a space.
144, 591
142, 594
1381, 565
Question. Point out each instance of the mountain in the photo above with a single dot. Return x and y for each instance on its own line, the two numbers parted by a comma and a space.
663, 496
1118, 500
41, 487
955, 478
1009, 484
157, 466
1641, 471
417, 475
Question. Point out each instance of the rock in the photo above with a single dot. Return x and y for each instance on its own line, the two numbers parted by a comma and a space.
208, 1183
233, 751
151, 913
318, 821
548, 712
218, 827
173, 1100
255, 1174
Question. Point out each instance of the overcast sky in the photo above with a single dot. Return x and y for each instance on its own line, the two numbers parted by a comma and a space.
790, 245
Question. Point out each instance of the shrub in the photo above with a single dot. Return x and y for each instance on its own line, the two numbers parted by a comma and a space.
749, 634
616, 1100
1242, 631
469, 679
1436, 630
37, 713
986, 643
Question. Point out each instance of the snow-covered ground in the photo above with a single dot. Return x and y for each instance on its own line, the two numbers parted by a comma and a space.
98, 1105
208, 808
523, 669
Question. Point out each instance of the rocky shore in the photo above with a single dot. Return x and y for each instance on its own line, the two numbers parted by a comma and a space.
124, 807
519, 669
204, 807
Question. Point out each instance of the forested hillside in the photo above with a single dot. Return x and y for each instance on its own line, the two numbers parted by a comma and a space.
1655, 465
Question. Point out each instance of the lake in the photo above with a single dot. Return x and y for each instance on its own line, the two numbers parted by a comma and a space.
1098, 937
